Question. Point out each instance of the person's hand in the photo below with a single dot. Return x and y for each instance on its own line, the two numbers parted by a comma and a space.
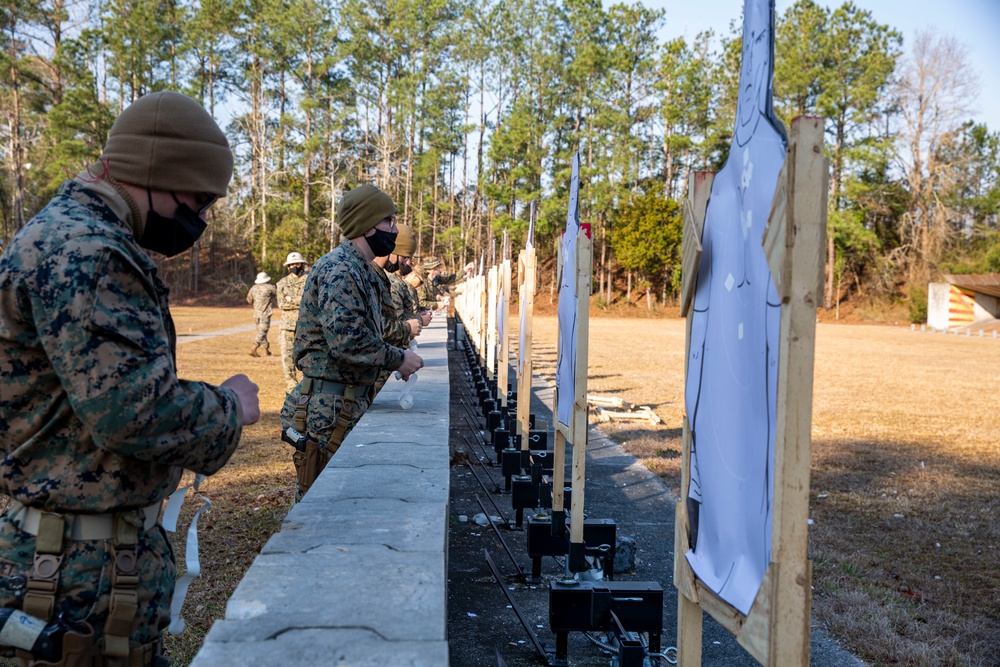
411, 364
415, 327
246, 392
425, 317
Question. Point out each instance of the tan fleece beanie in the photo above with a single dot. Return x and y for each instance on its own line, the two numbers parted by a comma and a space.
168, 141
406, 242
362, 208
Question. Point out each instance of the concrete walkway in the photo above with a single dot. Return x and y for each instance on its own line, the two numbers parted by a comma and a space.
357, 574
190, 338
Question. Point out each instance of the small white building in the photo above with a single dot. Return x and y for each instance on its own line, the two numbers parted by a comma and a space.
963, 301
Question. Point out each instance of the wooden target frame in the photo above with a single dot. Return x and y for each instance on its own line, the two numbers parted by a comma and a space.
776, 629
526, 274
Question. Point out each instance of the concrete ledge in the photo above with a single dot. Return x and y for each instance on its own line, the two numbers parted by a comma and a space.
357, 575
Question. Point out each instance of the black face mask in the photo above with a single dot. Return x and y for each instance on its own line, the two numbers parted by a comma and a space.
171, 236
391, 267
297, 269
382, 243
405, 269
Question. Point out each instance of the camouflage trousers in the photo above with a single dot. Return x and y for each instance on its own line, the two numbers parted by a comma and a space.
84, 592
263, 324
321, 419
286, 340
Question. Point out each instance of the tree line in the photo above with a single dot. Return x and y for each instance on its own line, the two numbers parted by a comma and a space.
465, 112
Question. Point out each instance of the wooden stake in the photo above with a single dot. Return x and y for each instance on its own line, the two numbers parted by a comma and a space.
526, 275
504, 326
578, 428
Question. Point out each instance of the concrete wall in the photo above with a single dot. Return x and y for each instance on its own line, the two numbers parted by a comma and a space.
358, 573
937, 305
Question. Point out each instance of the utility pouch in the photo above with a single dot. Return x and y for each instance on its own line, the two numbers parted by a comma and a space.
309, 464
78, 650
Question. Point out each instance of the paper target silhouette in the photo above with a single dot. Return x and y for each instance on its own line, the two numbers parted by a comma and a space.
566, 367
731, 387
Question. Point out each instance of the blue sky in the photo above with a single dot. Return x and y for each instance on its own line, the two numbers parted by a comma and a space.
976, 23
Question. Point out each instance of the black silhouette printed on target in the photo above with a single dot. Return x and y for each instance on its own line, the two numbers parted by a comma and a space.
731, 387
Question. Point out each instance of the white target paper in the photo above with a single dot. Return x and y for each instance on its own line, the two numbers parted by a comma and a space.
731, 389
566, 368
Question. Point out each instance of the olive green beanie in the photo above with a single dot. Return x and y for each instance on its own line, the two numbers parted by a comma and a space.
362, 208
406, 242
168, 141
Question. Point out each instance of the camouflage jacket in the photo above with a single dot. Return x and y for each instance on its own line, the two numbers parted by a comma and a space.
289, 297
262, 297
428, 295
414, 297
395, 330
92, 414
401, 297
339, 333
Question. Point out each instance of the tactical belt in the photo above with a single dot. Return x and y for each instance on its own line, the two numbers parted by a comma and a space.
85, 526
122, 528
309, 386
348, 391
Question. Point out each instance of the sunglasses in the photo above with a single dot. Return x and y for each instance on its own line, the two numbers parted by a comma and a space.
203, 200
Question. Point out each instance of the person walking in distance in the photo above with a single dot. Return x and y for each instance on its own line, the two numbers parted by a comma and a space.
262, 296
289, 297
339, 345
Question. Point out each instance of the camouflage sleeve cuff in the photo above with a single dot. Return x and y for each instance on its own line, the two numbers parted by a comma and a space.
395, 357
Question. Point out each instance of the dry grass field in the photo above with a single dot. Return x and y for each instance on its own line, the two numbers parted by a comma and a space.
905, 493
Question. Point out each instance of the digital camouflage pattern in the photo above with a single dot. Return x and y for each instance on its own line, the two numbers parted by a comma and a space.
395, 330
93, 417
289, 295
262, 297
289, 291
92, 414
339, 335
402, 297
414, 296
426, 294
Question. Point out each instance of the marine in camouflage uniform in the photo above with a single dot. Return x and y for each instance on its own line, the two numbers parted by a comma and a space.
426, 293
339, 344
403, 305
95, 426
289, 297
395, 328
402, 297
263, 296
